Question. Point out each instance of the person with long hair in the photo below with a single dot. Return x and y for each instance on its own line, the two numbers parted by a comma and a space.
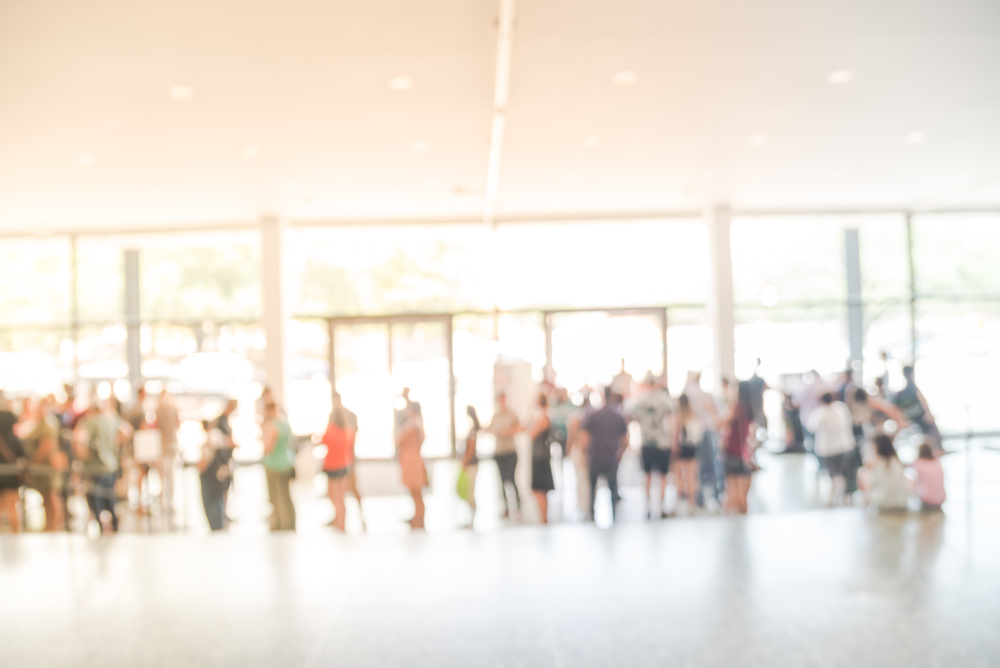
689, 435
336, 464
410, 438
884, 481
737, 451
470, 461
539, 428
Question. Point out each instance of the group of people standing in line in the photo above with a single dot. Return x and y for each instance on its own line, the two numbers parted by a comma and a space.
682, 432
63, 448
706, 443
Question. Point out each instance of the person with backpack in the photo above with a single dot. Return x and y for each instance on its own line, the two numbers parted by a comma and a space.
215, 471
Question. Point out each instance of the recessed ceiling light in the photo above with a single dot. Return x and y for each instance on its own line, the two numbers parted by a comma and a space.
250, 151
401, 84
180, 93
591, 142
625, 78
432, 184
571, 179
757, 140
420, 146
86, 159
837, 77
915, 138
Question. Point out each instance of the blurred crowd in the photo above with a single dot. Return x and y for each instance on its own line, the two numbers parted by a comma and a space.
700, 446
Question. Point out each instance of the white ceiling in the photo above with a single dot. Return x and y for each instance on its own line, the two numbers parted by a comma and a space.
306, 82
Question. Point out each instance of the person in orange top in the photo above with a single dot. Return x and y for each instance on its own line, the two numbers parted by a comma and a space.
339, 441
409, 439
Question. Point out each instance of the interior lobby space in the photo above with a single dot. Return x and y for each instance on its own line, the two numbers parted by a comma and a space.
499, 333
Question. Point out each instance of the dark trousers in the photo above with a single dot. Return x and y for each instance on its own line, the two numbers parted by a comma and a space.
610, 473
507, 464
214, 500
101, 497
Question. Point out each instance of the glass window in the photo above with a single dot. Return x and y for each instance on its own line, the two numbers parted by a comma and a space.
100, 279
35, 281
787, 260
956, 254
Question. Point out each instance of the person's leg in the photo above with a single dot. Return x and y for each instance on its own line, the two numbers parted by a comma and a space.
731, 495
542, 498
418, 509
612, 476
272, 496
649, 500
743, 483
470, 473
351, 487
593, 474
212, 498
8, 508
288, 508
167, 480
337, 495
662, 478
501, 462
207, 501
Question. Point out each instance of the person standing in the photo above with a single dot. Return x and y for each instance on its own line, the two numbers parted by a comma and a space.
168, 421
807, 398
101, 432
351, 479
279, 457
504, 426
11, 455
606, 436
652, 409
910, 400
410, 439
576, 450
215, 472
133, 471
622, 382
833, 430
470, 462
539, 429
339, 458
736, 437
706, 409
41, 447
689, 436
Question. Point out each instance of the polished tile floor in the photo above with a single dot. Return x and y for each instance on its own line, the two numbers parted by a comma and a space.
790, 585
814, 588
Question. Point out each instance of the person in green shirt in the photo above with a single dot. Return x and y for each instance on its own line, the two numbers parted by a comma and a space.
278, 464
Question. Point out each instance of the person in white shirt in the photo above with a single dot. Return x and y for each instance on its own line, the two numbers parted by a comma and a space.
833, 429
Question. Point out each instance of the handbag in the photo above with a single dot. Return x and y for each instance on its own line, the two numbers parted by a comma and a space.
462, 486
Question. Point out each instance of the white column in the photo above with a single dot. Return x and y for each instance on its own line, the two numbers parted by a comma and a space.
272, 248
720, 293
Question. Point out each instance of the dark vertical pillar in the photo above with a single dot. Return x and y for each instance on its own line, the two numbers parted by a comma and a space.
449, 333
133, 352
855, 314
913, 286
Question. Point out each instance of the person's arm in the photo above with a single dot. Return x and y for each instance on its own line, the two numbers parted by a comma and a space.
927, 409
269, 435
622, 444
675, 432
889, 409
728, 417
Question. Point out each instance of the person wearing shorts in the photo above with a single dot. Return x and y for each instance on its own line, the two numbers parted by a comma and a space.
651, 407
834, 443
